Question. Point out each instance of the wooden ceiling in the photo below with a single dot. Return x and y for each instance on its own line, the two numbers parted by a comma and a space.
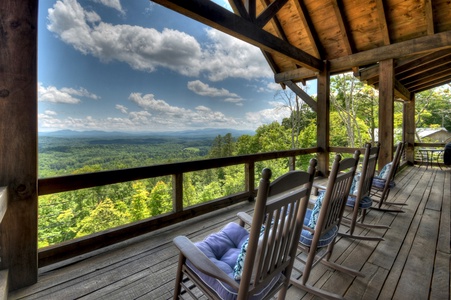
298, 37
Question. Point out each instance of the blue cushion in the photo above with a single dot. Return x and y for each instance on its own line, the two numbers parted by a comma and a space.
380, 183
223, 248
315, 211
366, 202
307, 236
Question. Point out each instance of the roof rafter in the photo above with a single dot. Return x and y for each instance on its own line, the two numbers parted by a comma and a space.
269, 12
213, 15
429, 17
343, 27
383, 21
309, 28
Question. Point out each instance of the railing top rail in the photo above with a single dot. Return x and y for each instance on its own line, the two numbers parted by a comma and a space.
80, 181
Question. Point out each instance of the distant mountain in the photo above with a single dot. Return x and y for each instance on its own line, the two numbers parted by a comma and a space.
208, 132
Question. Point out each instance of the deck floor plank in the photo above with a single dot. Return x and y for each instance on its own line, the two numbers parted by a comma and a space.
419, 239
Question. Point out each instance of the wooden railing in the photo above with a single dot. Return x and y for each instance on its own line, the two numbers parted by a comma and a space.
76, 247
4, 272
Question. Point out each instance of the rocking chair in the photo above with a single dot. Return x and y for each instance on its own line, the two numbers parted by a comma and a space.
321, 225
236, 264
359, 197
385, 181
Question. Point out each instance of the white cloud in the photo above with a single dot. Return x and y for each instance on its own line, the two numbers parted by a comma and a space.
122, 108
52, 94
64, 95
115, 4
82, 92
204, 89
147, 49
158, 115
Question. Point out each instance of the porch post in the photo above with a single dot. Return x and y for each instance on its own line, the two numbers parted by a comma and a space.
409, 129
386, 111
323, 119
18, 139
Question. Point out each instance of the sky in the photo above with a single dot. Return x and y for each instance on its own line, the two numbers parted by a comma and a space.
135, 66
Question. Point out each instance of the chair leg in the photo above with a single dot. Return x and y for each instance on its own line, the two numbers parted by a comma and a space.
179, 277
315, 291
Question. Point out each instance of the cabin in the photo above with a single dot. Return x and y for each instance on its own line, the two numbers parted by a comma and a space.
401, 47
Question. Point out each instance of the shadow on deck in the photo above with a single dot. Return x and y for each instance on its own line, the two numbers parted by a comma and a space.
413, 262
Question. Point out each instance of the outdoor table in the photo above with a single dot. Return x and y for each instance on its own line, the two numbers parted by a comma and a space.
430, 156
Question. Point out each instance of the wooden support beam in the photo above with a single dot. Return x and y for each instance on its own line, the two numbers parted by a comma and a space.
401, 91
429, 14
409, 129
346, 36
430, 84
438, 41
213, 15
323, 120
18, 140
303, 95
386, 111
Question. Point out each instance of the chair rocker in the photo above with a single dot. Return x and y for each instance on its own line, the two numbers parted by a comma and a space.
359, 197
237, 264
381, 186
318, 238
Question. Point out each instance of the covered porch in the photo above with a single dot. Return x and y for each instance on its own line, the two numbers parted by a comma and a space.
398, 41
413, 261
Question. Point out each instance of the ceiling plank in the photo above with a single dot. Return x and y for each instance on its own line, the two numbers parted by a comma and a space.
213, 15
432, 84
424, 69
438, 41
429, 76
423, 61
309, 29
402, 49
303, 95
382, 21
371, 74
269, 12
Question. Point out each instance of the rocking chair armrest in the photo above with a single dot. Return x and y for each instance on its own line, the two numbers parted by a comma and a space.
245, 219
201, 261
319, 186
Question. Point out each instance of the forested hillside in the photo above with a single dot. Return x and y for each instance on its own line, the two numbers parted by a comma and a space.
65, 216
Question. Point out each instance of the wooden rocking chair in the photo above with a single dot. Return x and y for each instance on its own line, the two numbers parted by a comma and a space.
318, 238
236, 264
381, 186
359, 197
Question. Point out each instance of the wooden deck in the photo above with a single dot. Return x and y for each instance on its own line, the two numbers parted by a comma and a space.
413, 262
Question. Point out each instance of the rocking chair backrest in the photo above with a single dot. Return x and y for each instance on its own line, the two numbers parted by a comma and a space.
277, 208
396, 161
337, 191
368, 169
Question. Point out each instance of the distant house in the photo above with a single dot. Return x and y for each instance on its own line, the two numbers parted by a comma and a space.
433, 135
424, 135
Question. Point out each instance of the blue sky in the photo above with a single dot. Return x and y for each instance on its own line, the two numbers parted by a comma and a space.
119, 65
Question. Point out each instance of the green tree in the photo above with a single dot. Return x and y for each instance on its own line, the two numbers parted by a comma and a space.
160, 199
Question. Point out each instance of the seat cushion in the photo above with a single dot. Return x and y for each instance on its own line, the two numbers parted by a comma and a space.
223, 248
366, 202
307, 236
380, 183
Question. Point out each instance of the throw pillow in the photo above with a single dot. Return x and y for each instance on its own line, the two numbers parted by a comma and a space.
385, 171
315, 210
238, 269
